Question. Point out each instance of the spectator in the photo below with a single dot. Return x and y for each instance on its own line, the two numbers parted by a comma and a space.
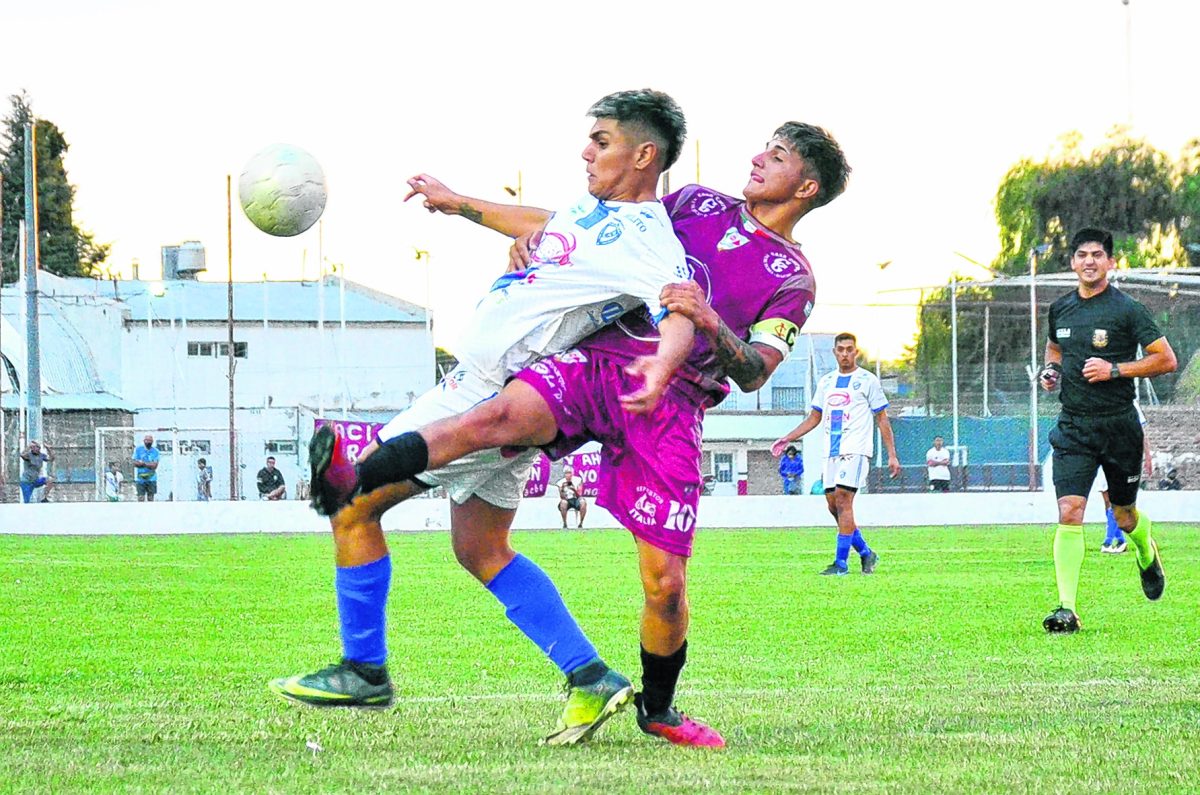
569, 498
791, 471
113, 481
1171, 482
270, 482
937, 458
203, 481
33, 472
145, 470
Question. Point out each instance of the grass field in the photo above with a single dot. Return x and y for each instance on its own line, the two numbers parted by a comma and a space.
140, 664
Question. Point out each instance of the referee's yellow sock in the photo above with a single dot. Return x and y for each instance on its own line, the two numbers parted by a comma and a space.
1068, 560
1140, 536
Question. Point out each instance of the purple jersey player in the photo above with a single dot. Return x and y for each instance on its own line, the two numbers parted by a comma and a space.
751, 293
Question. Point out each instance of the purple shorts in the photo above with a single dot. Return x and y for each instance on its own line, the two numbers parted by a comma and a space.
649, 476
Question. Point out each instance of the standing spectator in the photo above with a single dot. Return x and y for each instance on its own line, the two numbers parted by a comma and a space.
569, 498
270, 482
145, 470
937, 459
791, 471
203, 481
113, 480
33, 472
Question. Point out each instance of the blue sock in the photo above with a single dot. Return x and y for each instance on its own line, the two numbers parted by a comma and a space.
362, 593
534, 605
1112, 532
859, 543
843, 551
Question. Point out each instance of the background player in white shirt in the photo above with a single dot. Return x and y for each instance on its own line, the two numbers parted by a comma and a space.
937, 460
844, 403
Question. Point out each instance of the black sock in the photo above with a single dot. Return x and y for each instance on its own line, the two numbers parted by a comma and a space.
588, 674
395, 461
659, 677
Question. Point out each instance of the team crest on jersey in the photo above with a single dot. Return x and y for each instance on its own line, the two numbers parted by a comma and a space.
838, 399
1100, 338
855, 385
708, 204
780, 264
733, 239
609, 234
555, 249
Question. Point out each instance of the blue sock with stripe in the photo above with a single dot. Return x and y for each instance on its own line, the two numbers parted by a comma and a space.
859, 543
843, 551
534, 605
362, 593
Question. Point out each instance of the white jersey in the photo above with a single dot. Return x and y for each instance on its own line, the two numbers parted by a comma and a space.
596, 261
848, 403
112, 483
941, 467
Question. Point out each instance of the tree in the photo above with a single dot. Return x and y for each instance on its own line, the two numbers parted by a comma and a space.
64, 248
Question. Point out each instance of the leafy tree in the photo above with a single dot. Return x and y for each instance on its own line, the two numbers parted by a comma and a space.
64, 248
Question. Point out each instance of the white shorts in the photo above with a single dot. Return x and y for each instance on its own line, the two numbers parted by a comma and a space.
846, 470
487, 475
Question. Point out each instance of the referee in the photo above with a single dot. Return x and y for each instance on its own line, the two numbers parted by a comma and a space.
1093, 336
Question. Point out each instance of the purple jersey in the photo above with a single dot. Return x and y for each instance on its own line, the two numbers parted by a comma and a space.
761, 285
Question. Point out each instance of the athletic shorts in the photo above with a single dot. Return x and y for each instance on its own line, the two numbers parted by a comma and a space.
487, 475
846, 471
146, 488
1084, 443
649, 477
572, 503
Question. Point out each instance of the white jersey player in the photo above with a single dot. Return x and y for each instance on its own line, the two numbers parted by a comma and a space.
849, 403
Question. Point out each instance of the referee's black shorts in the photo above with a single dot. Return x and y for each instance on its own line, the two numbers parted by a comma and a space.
1083, 443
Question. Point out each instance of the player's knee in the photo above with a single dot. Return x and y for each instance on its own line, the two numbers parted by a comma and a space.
489, 422
1126, 516
1070, 510
666, 592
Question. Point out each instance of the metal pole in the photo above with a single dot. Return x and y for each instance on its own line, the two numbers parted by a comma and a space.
878, 433
1033, 368
954, 359
233, 472
342, 335
987, 335
1128, 63
33, 351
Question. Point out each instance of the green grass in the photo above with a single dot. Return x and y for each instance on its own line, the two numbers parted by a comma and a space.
140, 664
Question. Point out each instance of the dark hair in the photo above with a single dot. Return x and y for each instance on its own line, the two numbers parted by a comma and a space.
201, 461
651, 113
1092, 235
270, 458
845, 335
821, 154
791, 448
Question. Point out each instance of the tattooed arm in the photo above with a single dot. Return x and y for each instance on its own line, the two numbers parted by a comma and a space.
508, 219
749, 364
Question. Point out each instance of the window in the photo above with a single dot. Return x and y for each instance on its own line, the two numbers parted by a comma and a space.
195, 447
219, 350
723, 462
280, 446
163, 446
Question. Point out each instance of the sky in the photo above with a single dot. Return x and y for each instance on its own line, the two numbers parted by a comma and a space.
932, 102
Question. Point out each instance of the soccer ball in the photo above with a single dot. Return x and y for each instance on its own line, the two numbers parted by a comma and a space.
282, 190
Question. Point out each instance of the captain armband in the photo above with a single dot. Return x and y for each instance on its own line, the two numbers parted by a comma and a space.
779, 333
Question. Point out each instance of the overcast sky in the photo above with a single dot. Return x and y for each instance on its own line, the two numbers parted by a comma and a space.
932, 101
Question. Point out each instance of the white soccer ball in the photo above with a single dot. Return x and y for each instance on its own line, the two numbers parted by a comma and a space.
282, 190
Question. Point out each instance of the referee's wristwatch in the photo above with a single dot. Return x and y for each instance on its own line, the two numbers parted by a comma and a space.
1114, 371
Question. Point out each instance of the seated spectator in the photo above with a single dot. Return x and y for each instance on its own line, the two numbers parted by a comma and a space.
569, 498
270, 482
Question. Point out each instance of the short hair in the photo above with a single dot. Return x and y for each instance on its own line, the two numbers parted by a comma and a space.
822, 155
201, 461
791, 448
845, 335
651, 113
270, 458
1092, 235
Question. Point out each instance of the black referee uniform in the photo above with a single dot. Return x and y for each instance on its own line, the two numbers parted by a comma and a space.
1098, 425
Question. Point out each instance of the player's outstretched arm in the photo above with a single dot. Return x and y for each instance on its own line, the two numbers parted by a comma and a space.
677, 334
508, 219
811, 421
748, 364
889, 441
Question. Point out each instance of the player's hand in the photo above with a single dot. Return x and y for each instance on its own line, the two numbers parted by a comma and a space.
688, 299
1096, 369
780, 446
655, 375
1049, 376
893, 466
438, 198
520, 253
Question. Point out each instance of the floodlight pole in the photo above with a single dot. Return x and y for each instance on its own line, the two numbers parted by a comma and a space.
1033, 369
954, 358
33, 352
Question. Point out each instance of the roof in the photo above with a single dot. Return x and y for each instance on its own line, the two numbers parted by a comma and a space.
68, 366
283, 301
97, 401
